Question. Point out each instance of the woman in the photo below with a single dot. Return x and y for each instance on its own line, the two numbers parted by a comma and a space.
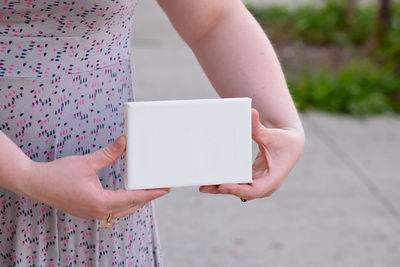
64, 75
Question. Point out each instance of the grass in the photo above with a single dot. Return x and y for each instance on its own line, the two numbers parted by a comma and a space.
370, 84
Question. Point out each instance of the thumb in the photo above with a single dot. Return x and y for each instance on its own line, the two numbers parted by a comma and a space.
258, 131
104, 157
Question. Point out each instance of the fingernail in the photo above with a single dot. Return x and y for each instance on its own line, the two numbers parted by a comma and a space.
165, 191
119, 143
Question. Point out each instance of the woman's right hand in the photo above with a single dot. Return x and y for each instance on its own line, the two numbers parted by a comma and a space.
71, 185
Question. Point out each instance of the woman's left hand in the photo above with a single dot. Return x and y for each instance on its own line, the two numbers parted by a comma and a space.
280, 149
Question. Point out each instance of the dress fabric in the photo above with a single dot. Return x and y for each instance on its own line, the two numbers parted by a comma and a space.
64, 75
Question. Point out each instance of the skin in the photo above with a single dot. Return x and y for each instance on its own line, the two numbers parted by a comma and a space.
239, 61
71, 184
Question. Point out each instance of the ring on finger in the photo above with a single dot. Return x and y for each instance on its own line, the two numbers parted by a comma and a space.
107, 223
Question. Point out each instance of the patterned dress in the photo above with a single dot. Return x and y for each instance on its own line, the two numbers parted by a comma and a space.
64, 76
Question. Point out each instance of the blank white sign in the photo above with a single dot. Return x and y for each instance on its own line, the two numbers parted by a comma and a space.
187, 143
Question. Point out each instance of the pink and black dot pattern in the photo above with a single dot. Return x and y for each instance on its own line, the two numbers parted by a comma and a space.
50, 38
64, 75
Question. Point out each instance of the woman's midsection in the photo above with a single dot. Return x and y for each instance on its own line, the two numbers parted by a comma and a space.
66, 115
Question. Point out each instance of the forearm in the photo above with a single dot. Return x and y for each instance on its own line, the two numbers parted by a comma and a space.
240, 61
15, 166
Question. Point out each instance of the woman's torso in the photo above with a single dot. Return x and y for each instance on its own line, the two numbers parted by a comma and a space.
64, 75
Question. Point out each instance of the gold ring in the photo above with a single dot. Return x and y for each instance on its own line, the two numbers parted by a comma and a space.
243, 200
107, 223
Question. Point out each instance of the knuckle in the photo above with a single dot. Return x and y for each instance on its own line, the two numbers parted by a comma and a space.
226, 190
108, 154
132, 203
229, 191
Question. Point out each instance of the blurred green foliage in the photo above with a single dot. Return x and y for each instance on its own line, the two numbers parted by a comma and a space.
315, 24
359, 88
368, 85
389, 50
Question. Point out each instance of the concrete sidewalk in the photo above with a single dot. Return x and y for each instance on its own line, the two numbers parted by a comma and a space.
340, 206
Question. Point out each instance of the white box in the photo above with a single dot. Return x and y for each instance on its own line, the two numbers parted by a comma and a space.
187, 143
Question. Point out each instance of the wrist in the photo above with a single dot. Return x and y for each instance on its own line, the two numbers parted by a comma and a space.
295, 130
26, 179
18, 173
293, 126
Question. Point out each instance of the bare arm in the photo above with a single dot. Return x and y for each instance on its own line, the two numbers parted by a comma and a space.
239, 61
236, 55
14, 165
70, 183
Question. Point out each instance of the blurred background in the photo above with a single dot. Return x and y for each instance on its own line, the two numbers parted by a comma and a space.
340, 206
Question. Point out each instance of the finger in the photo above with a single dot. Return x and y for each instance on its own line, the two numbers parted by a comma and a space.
104, 157
260, 187
121, 199
259, 162
211, 189
127, 211
258, 131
